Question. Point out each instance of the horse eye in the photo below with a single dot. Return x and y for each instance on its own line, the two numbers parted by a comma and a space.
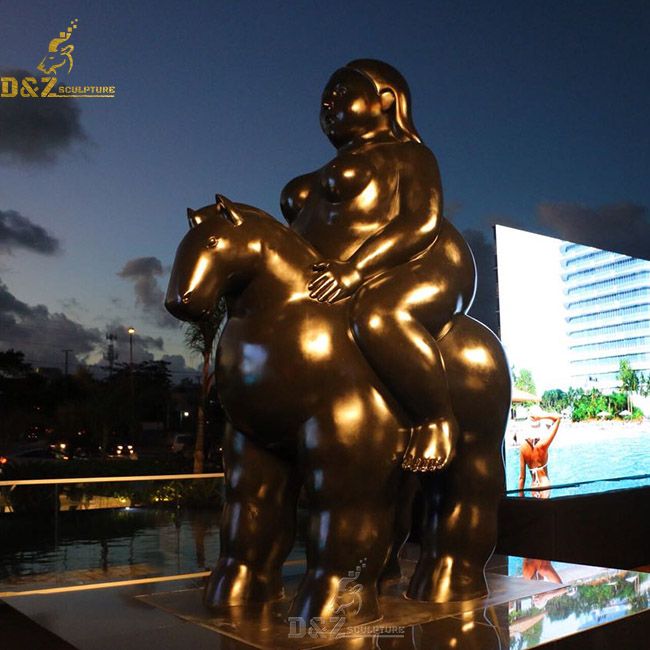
212, 242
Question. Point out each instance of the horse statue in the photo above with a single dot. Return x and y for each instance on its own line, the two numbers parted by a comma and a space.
308, 414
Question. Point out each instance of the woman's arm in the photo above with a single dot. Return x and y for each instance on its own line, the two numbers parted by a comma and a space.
294, 195
410, 232
555, 425
417, 223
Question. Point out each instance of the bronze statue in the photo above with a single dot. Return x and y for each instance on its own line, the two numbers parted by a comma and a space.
347, 354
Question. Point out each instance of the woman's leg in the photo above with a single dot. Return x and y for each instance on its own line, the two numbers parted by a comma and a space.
396, 318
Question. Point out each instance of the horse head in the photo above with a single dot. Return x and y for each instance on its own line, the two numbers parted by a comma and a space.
215, 257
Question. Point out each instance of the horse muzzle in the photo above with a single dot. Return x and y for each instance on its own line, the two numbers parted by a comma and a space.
182, 306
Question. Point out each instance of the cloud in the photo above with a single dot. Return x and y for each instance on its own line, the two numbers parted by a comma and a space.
621, 227
17, 231
42, 335
144, 273
36, 131
485, 305
179, 368
72, 304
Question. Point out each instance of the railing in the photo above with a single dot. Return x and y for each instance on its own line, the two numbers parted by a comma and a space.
109, 479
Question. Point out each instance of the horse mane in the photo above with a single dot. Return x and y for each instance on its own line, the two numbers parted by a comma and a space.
285, 232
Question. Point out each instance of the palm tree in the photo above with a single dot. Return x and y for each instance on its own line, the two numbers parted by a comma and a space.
631, 380
200, 337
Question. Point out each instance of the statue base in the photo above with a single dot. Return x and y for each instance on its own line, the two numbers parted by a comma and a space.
531, 603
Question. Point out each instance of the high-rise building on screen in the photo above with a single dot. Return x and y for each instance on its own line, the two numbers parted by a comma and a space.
607, 311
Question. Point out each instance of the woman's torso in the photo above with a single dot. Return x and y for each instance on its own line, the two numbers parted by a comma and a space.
536, 459
354, 196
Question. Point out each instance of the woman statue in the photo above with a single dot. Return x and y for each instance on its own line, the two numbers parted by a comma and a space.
375, 215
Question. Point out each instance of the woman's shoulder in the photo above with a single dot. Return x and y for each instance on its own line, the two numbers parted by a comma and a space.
408, 152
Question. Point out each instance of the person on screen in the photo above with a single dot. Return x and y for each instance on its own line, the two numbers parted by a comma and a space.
533, 452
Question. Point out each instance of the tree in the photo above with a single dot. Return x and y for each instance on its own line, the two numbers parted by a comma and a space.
200, 338
524, 381
554, 399
631, 380
12, 364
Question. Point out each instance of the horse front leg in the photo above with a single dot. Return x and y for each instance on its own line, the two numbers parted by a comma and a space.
258, 525
351, 487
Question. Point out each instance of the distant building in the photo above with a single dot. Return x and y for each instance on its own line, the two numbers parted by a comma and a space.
607, 311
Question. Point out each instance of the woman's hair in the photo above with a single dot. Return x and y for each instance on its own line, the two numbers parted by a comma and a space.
384, 77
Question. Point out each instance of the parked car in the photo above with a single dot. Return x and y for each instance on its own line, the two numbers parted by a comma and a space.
25, 456
121, 451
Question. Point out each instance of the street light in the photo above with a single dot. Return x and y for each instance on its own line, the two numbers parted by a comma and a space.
131, 332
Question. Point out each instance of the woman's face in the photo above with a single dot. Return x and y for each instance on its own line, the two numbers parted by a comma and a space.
350, 108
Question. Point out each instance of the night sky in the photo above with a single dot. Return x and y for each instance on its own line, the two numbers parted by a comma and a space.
537, 112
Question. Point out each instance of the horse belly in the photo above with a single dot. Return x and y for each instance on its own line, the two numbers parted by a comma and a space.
261, 386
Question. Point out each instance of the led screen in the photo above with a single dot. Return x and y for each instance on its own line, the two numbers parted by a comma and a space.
575, 323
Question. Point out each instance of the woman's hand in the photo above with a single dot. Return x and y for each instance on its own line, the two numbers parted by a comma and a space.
334, 281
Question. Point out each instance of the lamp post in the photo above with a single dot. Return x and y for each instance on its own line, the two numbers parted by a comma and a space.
131, 332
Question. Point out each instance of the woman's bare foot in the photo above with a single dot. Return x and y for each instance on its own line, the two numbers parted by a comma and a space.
432, 445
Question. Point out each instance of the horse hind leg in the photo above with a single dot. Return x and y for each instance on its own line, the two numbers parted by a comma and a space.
403, 525
459, 529
257, 526
460, 522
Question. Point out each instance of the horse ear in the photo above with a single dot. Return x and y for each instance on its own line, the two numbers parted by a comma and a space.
194, 218
228, 210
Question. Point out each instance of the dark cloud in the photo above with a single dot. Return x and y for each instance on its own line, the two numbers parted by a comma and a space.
485, 306
35, 130
17, 231
178, 366
42, 335
144, 273
622, 227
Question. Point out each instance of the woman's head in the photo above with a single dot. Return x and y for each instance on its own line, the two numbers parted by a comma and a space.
364, 97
